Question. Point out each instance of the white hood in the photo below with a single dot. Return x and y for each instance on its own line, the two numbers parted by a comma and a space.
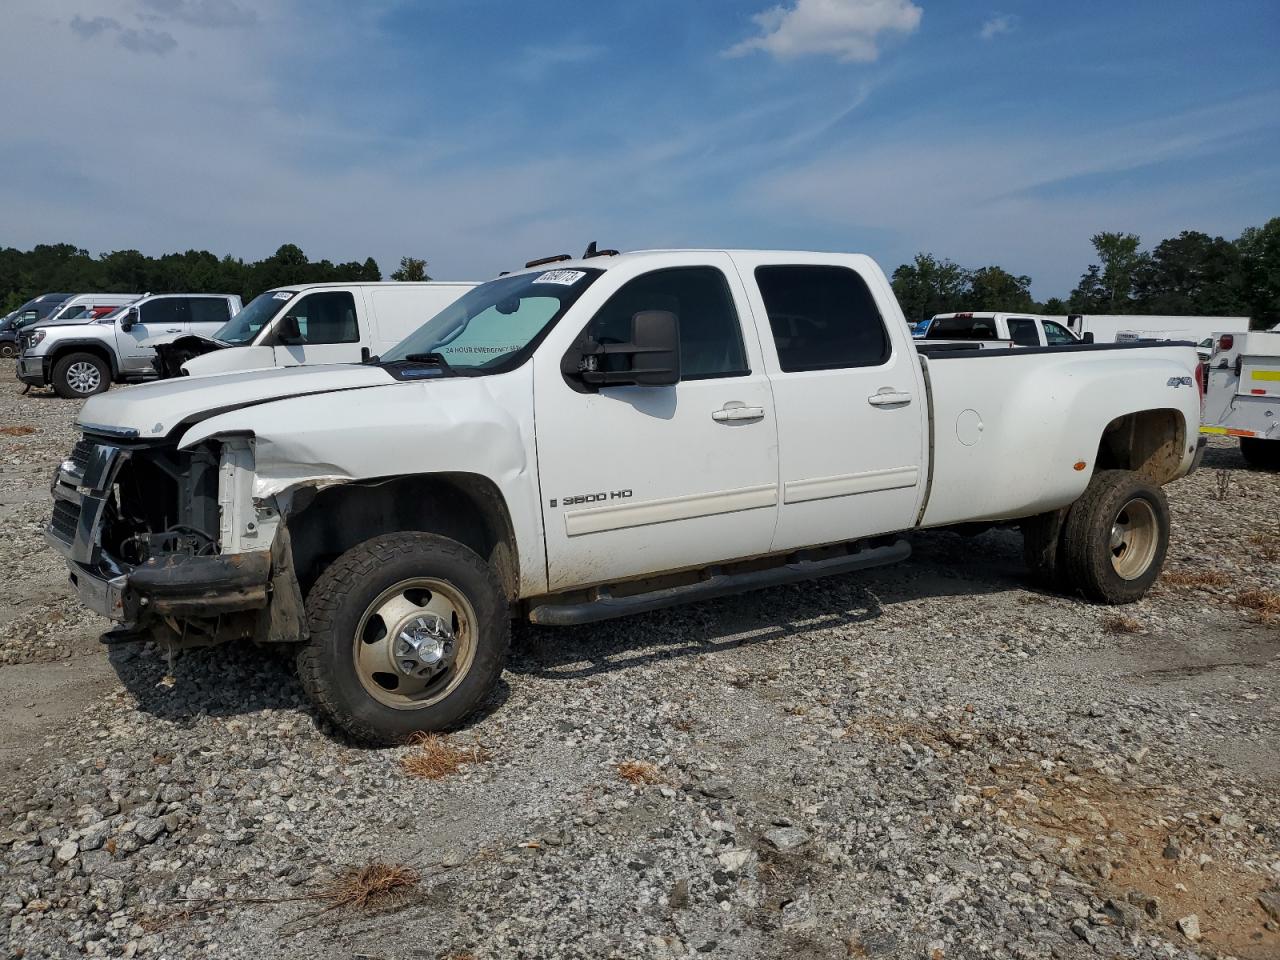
154, 409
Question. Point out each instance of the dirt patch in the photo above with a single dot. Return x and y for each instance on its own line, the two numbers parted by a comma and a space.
18, 431
1154, 851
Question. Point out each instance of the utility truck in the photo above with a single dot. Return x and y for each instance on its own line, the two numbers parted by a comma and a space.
307, 324
1243, 395
588, 438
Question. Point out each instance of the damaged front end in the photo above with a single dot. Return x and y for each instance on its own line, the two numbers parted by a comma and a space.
171, 543
171, 356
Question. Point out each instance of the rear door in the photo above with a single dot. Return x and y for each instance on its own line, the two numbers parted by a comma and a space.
1024, 331
158, 317
322, 326
637, 480
848, 396
207, 315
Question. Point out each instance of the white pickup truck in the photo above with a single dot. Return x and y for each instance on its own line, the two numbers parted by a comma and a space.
589, 438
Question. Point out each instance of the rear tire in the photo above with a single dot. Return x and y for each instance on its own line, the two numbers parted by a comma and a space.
80, 375
1261, 453
1115, 537
408, 633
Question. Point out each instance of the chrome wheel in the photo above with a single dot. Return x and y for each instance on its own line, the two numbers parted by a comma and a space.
1135, 536
8, 351
415, 643
84, 377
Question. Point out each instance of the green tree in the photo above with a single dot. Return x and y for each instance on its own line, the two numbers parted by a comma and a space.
1055, 306
927, 286
994, 288
1090, 294
411, 270
1121, 261
1192, 273
1259, 249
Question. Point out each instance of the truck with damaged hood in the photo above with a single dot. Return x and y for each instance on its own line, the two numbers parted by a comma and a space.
593, 437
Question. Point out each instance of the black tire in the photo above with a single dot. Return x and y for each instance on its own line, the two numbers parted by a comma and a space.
342, 599
1091, 561
8, 350
1042, 547
1261, 453
69, 384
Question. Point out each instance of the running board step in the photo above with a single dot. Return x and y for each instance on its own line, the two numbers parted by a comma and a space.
605, 605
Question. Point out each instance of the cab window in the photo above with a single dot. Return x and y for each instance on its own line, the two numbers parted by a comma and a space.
1056, 333
1023, 332
325, 317
822, 318
710, 332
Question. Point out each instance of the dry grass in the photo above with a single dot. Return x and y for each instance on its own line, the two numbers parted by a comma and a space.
1195, 578
639, 772
1265, 603
434, 757
1268, 545
1120, 623
370, 887
17, 431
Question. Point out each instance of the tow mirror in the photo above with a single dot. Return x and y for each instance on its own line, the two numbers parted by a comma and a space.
1087, 337
288, 332
653, 354
130, 318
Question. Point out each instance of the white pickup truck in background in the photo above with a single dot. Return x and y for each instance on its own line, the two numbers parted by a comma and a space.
589, 438
1020, 329
1243, 395
308, 324
1034, 330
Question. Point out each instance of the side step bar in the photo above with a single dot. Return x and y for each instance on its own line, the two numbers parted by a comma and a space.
605, 605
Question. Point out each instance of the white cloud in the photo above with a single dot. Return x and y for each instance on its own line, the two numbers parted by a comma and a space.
845, 29
996, 26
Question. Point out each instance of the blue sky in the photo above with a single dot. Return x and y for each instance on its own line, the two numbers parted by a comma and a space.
480, 134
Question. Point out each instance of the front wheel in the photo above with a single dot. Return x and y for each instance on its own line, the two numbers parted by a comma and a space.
1115, 537
408, 633
1260, 452
8, 350
80, 375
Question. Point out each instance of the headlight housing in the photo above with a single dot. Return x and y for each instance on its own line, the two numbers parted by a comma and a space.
36, 337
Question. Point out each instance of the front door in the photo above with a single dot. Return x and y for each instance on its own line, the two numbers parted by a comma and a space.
849, 399
636, 480
319, 327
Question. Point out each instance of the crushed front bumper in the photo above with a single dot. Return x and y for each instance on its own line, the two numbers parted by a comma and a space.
178, 585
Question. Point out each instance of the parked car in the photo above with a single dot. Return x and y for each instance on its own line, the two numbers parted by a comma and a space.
37, 309
76, 308
1243, 395
590, 438
8, 336
308, 324
80, 356
1021, 329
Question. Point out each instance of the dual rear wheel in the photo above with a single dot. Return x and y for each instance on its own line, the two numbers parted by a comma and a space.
1109, 545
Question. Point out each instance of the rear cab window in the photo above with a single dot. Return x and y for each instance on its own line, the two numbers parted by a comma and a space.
963, 326
822, 317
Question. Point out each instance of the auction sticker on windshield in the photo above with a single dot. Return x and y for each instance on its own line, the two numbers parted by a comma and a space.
566, 278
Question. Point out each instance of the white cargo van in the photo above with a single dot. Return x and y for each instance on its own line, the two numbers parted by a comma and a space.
309, 323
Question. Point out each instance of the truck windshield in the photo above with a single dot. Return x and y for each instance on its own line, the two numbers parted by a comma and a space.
494, 325
248, 323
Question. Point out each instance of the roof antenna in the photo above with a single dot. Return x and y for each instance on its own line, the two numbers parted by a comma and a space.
591, 251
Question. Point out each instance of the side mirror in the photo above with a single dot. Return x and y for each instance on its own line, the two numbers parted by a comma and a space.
653, 354
1087, 337
288, 332
130, 318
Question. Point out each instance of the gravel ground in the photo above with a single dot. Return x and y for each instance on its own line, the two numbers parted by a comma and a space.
932, 761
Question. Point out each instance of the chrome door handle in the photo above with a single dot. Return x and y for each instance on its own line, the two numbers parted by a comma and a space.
732, 414
887, 397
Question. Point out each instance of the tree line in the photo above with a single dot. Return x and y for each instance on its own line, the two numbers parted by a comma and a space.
1190, 274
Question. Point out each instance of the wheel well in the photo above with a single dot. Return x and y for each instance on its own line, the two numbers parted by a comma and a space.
1150, 442
465, 507
96, 349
